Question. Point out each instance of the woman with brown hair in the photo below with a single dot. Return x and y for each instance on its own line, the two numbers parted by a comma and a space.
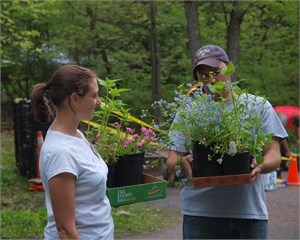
73, 174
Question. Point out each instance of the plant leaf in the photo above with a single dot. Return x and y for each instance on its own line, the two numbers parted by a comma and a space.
217, 87
230, 69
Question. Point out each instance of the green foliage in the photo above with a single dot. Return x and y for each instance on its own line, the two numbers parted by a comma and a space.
23, 223
9, 175
115, 137
140, 219
22, 212
24, 50
112, 37
111, 109
270, 35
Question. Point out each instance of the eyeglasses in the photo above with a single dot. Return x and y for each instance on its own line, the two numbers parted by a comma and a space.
210, 75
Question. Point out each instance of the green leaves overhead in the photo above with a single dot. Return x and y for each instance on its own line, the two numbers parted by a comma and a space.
111, 86
113, 38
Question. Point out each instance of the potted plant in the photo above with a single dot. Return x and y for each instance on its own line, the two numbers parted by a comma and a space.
131, 154
219, 132
120, 146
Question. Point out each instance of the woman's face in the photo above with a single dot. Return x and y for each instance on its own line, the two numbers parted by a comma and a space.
88, 102
207, 74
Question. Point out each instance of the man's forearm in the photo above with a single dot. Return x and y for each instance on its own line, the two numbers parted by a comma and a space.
172, 160
272, 157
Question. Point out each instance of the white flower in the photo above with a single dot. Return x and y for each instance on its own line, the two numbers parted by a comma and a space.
232, 148
220, 160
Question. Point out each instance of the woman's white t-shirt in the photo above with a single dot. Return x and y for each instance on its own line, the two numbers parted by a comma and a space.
64, 153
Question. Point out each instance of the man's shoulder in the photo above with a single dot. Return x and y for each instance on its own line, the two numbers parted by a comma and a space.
252, 97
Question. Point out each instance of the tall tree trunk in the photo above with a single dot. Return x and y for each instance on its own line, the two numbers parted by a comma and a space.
233, 34
98, 50
192, 27
155, 61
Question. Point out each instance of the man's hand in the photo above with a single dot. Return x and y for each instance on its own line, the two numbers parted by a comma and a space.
187, 166
172, 159
255, 170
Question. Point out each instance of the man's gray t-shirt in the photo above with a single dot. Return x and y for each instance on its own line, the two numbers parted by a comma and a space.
245, 201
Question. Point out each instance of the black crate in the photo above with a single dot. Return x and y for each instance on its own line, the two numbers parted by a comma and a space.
25, 128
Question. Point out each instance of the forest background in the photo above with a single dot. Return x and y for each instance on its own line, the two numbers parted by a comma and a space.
149, 44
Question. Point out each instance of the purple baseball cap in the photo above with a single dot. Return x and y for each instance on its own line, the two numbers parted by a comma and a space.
210, 55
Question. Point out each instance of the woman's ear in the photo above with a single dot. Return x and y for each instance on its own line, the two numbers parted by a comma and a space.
74, 97
73, 101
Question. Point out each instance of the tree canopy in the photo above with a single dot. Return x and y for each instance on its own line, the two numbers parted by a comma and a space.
114, 38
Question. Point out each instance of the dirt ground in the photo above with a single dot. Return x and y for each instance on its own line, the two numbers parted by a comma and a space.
282, 203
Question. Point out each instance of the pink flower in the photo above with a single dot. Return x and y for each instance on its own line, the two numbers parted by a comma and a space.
129, 130
147, 138
127, 142
117, 124
151, 132
144, 130
136, 136
152, 139
148, 131
139, 144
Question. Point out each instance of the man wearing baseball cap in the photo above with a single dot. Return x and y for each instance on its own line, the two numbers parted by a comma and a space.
226, 212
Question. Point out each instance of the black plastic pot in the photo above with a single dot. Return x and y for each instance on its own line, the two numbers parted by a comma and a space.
201, 165
237, 164
130, 169
112, 176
